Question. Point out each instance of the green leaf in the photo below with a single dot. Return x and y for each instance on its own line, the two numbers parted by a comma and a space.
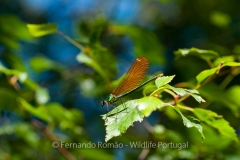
205, 74
40, 64
13, 60
220, 19
120, 118
234, 92
58, 112
204, 54
149, 104
22, 76
212, 92
161, 81
65, 118
191, 92
83, 58
190, 123
7, 129
99, 26
38, 30
198, 98
98, 54
14, 28
40, 112
8, 99
9, 42
223, 59
212, 138
217, 122
232, 64
179, 91
31, 84
236, 49
24, 131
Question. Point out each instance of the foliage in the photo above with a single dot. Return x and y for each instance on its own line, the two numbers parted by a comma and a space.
196, 101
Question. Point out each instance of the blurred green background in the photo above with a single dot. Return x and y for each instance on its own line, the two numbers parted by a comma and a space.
51, 86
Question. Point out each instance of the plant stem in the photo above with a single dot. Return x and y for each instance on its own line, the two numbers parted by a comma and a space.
156, 91
210, 63
81, 47
185, 107
171, 92
226, 81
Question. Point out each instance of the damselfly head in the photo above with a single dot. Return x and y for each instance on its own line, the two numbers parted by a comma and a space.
103, 103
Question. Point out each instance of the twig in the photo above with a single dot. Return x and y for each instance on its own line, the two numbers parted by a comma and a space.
222, 85
13, 81
156, 91
185, 107
53, 139
143, 154
87, 51
82, 48
210, 63
182, 84
226, 81
175, 96
210, 79
147, 126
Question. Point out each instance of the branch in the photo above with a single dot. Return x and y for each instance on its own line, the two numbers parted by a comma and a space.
225, 82
53, 139
147, 126
143, 154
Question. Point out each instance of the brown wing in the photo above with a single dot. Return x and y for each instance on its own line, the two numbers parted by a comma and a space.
133, 77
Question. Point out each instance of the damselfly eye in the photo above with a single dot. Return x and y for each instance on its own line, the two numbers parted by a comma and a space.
102, 103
